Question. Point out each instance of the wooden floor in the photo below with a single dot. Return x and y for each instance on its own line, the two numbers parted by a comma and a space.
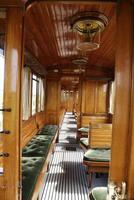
67, 178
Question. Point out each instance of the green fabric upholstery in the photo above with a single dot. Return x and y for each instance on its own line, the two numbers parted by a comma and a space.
98, 155
34, 155
48, 130
99, 193
31, 166
84, 142
38, 146
84, 129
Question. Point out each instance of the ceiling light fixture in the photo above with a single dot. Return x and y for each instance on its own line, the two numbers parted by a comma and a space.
80, 61
88, 26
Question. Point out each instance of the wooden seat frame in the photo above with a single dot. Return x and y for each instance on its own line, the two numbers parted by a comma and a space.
100, 136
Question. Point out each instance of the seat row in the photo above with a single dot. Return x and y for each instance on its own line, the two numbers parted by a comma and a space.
97, 148
35, 158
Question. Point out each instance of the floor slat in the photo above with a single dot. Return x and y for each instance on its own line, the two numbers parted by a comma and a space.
67, 178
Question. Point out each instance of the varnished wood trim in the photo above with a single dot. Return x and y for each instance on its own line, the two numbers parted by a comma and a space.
119, 164
31, 2
12, 99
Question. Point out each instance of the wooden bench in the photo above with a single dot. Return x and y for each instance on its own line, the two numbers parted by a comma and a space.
83, 128
97, 157
36, 155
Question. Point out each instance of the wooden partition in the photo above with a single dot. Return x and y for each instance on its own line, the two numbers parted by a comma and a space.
86, 119
122, 165
52, 100
40, 119
29, 129
12, 99
31, 126
94, 97
94, 102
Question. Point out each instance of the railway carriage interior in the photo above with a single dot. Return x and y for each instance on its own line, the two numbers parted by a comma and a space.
66, 100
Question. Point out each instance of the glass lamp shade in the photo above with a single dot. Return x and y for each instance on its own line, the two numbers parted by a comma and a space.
88, 27
87, 46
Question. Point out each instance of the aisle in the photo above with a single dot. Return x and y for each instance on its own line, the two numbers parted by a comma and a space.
67, 177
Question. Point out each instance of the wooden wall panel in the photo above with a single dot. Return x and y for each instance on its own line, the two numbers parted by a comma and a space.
130, 179
40, 119
101, 97
88, 97
123, 74
29, 129
52, 95
2, 188
52, 101
6, 3
85, 120
94, 97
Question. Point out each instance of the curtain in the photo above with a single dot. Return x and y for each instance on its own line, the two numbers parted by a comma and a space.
26, 93
43, 94
41, 99
112, 98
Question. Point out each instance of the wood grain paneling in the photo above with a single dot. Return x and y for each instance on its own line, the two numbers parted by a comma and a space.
101, 99
12, 99
6, 3
123, 73
130, 171
52, 101
29, 129
89, 92
100, 135
94, 97
40, 119
85, 120
52, 95
2, 188
50, 39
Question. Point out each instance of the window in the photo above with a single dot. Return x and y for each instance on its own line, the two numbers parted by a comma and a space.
35, 93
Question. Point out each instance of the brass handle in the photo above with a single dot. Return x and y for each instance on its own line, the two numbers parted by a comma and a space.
5, 109
5, 132
4, 154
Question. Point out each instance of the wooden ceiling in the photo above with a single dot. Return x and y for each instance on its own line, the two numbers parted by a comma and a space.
49, 37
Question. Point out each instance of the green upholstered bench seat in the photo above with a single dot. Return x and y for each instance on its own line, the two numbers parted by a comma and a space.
84, 129
97, 155
84, 142
48, 130
38, 146
31, 167
98, 193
